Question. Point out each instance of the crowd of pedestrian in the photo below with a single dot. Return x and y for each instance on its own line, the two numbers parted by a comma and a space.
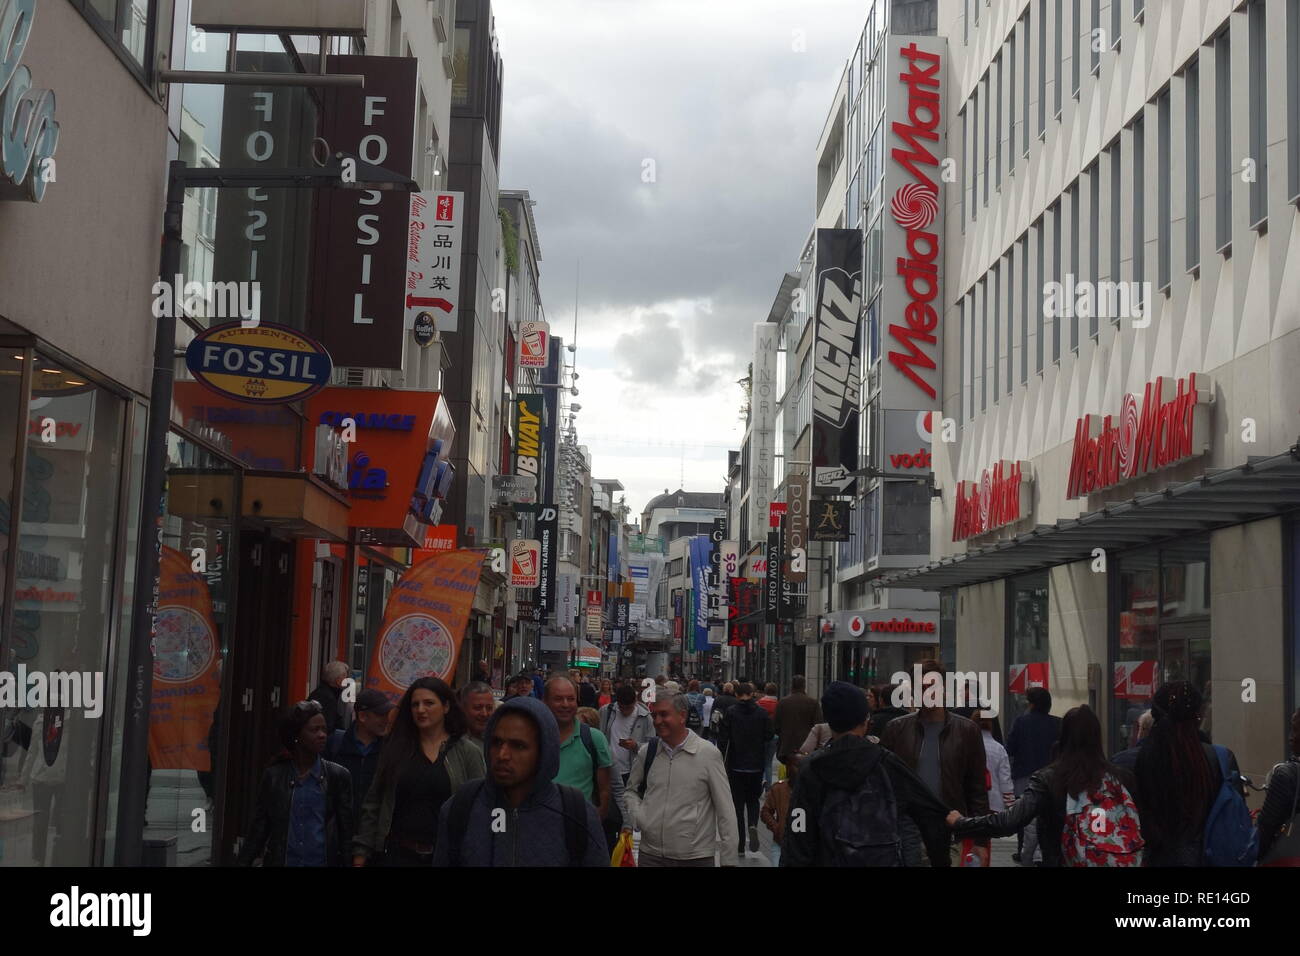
564, 770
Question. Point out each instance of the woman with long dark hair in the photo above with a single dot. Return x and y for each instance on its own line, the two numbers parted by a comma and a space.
304, 807
1078, 776
426, 757
1178, 779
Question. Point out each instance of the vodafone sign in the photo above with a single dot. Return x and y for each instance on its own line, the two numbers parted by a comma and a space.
882, 625
912, 241
1169, 426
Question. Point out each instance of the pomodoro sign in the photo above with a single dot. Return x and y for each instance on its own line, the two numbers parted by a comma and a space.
269, 364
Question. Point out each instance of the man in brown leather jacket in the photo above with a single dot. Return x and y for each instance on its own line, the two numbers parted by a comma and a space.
944, 750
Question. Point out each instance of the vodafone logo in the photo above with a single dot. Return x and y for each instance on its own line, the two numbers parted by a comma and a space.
856, 626
905, 626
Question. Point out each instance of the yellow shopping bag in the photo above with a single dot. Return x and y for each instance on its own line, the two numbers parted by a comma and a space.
622, 855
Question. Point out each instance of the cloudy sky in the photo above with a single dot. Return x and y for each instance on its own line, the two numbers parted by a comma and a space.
720, 104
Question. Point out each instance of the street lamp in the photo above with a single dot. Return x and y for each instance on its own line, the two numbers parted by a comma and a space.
340, 171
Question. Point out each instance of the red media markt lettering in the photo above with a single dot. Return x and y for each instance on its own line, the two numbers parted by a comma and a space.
1170, 427
915, 206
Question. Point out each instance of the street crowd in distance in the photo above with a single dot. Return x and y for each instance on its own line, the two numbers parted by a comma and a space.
565, 771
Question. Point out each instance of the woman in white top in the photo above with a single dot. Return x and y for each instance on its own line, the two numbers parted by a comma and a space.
1001, 790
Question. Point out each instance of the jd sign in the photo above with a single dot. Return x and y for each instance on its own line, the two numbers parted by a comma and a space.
28, 131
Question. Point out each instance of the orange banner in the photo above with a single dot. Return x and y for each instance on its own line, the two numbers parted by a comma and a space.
186, 669
425, 621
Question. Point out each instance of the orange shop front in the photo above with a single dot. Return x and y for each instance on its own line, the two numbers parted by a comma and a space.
386, 451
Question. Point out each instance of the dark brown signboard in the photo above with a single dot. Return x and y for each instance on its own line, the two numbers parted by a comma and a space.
261, 235
829, 520
359, 262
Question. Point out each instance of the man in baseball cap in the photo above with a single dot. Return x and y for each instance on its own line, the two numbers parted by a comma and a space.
358, 747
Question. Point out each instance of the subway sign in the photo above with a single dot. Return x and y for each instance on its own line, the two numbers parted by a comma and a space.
1169, 426
267, 363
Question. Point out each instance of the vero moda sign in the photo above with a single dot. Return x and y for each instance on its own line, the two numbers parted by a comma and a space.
912, 305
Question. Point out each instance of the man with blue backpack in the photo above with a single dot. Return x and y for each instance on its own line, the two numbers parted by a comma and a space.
849, 796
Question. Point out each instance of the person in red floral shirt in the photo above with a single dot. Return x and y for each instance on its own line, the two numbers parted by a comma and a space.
1082, 803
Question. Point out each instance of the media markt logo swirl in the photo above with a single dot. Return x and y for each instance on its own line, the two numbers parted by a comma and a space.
915, 205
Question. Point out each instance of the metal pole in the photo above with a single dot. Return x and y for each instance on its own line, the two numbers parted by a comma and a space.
135, 734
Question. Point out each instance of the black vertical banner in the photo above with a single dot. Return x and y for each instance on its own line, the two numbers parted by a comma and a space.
772, 580
837, 375
788, 604
548, 529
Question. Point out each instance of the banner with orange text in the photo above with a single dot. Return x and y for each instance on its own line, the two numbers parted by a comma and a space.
186, 668
425, 621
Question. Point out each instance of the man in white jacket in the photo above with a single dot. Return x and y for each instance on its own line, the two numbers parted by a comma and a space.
682, 805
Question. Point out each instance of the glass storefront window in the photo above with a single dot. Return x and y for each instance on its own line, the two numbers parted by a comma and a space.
192, 639
1163, 630
1027, 603
63, 615
11, 371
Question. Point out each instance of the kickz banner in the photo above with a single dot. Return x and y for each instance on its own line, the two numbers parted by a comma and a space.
837, 370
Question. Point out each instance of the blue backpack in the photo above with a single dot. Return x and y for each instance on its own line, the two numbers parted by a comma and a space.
1230, 836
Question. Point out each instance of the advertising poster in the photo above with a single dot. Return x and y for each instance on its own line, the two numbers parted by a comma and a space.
186, 668
837, 373
424, 622
433, 260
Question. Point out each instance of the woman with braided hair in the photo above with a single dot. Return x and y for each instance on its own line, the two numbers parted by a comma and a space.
1178, 779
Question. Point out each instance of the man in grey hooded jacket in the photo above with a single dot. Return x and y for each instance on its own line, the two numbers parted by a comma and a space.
517, 815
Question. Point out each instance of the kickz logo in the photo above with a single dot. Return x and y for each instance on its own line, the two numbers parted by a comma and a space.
915, 207
837, 378
1171, 426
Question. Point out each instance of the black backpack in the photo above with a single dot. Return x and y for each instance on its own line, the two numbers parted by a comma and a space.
694, 716
860, 827
573, 809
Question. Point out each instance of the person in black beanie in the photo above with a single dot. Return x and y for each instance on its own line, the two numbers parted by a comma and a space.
840, 812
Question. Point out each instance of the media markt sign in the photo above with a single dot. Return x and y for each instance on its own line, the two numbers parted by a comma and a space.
912, 253
1002, 496
1171, 425
29, 133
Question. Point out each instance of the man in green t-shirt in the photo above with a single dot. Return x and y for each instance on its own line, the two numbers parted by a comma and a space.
577, 768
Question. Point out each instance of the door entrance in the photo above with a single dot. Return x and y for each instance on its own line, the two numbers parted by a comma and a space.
259, 664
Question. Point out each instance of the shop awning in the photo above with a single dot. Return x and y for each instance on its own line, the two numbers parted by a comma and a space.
1262, 487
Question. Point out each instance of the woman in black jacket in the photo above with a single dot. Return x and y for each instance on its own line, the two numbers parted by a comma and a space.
1079, 767
304, 807
1174, 816
1280, 801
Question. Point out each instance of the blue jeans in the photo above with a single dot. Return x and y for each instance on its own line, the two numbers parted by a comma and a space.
769, 754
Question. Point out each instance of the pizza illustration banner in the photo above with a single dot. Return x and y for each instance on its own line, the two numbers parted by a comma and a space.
425, 622
186, 669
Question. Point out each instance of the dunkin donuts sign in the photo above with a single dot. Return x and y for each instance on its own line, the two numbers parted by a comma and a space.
1169, 426
913, 304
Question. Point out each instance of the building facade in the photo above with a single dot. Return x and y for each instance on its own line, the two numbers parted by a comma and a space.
1120, 329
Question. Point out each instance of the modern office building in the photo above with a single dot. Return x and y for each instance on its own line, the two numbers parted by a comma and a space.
1120, 335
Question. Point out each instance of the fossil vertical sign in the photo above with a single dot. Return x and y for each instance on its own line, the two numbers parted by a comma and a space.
359, 261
